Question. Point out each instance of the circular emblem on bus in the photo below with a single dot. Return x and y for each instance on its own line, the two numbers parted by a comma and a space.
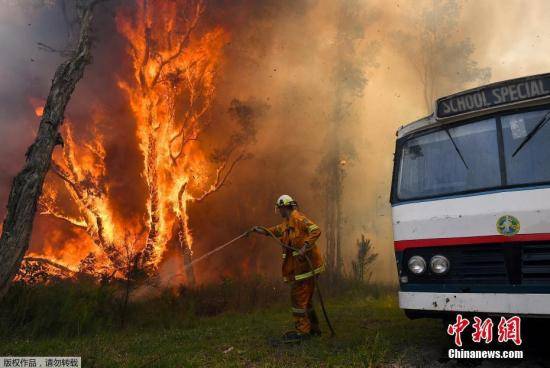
508, 225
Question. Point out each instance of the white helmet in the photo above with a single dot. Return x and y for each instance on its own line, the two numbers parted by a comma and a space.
285, 200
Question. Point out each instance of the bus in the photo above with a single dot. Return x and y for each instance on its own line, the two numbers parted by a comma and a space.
470, 203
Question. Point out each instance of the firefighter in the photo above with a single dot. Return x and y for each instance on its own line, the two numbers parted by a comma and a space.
299, 232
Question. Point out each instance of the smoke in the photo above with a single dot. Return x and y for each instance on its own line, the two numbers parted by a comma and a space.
509, 39
277, 80
24, 71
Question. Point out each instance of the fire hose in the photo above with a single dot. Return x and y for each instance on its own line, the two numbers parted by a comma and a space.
293, 249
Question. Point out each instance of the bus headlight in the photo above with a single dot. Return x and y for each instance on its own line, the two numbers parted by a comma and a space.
440, 264
417, 265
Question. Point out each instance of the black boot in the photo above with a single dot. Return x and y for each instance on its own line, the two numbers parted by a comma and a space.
315, 330
295, 337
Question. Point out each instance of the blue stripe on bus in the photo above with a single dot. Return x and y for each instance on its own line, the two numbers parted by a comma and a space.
477, 288
533, 187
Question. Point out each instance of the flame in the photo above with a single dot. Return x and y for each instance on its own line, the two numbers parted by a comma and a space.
172, 66
78, 170
38, 105
170, 90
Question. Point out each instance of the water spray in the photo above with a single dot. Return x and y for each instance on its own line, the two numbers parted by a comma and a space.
271, 235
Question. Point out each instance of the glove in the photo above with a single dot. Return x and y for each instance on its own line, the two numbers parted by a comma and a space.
303, 250
259, 230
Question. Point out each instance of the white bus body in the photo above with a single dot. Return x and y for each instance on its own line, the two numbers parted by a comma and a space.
473, 189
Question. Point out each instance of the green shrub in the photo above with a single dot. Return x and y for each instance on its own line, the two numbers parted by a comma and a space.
64, 308
76, 308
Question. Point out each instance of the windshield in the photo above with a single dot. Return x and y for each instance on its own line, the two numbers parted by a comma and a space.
531, 164
430, 164
468, 157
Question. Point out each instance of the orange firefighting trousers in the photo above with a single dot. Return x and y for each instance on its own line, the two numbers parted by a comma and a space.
305, 318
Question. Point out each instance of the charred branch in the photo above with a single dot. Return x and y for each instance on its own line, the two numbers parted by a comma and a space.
61, 52
221, 176
183, 43
49, 209
49, 262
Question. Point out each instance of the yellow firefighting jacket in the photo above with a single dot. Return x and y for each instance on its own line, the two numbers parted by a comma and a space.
298, 231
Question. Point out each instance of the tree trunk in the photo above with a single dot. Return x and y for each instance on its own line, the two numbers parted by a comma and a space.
27, 185
187, 263
186, 251
333, 199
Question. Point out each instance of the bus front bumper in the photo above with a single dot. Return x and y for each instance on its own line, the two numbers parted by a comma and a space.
535, 304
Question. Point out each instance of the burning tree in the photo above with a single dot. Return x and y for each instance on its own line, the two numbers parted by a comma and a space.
170, 90
173, 89
81, 169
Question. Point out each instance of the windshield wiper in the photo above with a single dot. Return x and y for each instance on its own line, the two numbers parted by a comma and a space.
456, 147
532, 133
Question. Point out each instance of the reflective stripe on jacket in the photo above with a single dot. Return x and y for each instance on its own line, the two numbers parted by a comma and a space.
298, 231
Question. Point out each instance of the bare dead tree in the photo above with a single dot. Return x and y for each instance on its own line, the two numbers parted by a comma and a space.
27, 185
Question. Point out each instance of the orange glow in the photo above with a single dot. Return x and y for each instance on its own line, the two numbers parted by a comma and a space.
170, 90
182, 69
79, 171
38, 105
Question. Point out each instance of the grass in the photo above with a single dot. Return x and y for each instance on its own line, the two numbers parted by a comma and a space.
371, 331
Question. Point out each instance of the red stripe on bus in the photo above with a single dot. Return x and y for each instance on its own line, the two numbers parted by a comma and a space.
442, 242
